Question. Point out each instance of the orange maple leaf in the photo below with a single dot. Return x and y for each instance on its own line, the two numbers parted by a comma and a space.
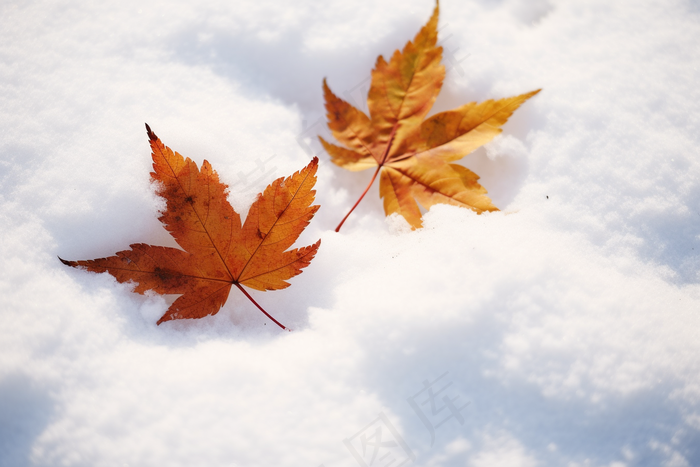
219, 252
414, 155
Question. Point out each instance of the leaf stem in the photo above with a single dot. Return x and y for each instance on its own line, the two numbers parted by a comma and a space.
379, 167
256, 304
337, 229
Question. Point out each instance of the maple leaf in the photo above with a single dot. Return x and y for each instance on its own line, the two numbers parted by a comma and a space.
414, 155
219, 252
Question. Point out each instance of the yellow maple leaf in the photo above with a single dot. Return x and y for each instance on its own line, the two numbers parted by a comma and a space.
412, 155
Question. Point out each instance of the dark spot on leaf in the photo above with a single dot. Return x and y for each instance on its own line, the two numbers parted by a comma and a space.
163, 274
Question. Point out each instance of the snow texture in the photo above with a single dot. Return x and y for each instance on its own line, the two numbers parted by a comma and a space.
563, 329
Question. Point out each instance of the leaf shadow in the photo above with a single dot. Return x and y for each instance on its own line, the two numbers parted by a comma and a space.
555, 430
286, 73
25, 411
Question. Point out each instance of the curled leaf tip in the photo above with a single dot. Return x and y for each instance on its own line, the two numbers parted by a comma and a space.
152, 136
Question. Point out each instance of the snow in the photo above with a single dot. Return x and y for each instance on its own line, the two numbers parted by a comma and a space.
566, 324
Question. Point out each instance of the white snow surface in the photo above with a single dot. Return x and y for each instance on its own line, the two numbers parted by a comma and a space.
567, 323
